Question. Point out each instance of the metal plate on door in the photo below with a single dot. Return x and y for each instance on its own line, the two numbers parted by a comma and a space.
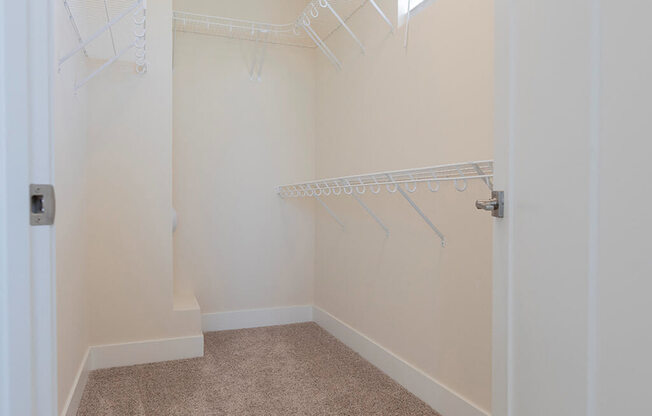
41, 204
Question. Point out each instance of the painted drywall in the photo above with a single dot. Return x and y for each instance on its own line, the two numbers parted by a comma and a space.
129, 203
397, 108
238, 245
113, 140
540, 146
70, 120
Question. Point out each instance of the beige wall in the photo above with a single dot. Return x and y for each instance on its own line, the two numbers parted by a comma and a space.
113, 158
130, 196
393, 109
238, 245
70, 152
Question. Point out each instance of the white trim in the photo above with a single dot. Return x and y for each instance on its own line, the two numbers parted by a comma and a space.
594, 213
252, 318
130, 353
435, 394
79, 384
506, 41
28, 361
439, 397
145, 352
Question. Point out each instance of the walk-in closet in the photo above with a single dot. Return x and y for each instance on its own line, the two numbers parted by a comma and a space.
325, 207
290, 206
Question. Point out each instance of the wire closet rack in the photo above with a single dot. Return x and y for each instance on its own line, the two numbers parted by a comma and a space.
114, 38
404, 182
314, 25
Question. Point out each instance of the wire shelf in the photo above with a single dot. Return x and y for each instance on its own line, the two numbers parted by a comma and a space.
404, 182
314, 25
409, 179
104, 32
284, 34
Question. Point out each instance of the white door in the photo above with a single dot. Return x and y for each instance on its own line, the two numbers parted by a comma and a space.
573, 256
27, 290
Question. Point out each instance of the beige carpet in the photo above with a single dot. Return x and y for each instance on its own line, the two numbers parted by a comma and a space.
281, 370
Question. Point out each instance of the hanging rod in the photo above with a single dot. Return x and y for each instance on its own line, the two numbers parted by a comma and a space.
298, 33
459, 173
404, 182
312, 12
285, 34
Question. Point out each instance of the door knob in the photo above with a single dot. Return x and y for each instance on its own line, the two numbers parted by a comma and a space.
495, 205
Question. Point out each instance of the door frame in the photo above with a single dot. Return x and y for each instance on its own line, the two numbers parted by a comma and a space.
504, 38
508, 56
27, 273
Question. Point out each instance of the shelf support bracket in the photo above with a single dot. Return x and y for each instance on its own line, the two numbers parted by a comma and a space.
113, 22
259, 55
370, 212
343, 23
74, 25
407, 23
105, 65
330, 211
322, 46
382, 14
108, 20
262, 57
425, 218
486, 180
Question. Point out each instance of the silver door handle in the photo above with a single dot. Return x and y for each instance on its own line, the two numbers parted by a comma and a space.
496, 205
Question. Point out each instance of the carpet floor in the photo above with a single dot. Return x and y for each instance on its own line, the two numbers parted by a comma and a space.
284, 370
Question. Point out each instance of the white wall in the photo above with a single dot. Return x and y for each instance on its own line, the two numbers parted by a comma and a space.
70, 160
543, 119
574, 330
238, 245
623, 285
393, 109
130, 197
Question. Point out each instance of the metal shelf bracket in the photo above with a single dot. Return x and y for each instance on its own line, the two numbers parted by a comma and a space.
370, 212
330, 211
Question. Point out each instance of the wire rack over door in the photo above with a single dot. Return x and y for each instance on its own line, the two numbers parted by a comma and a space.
104, 32
283, 34
312, 27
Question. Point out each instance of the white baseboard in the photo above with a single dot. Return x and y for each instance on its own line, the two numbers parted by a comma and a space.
131, 353
435, 394
253, 318
149, 351
74, 397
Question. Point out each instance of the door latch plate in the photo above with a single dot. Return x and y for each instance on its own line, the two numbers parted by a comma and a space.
42, 204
